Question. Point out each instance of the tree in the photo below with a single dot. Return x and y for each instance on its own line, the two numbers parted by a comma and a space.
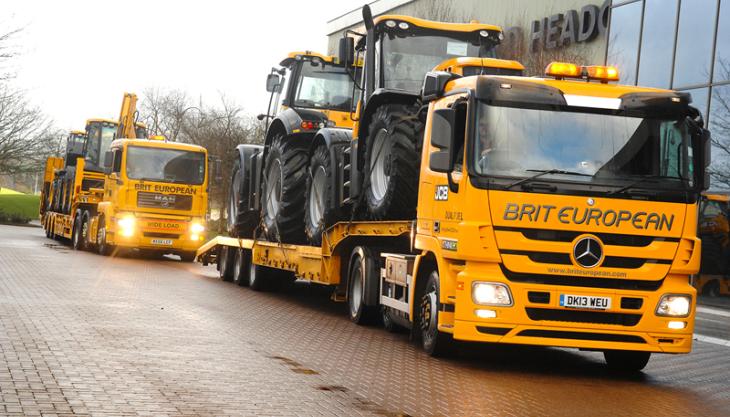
720, 130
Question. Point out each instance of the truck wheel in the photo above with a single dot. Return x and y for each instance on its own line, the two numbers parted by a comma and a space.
77, 240
256, 279
225, 263
711, 289
241, 268
319, 213
187, 256
85, 237
395, 135
363, 267
283, 191
434, 342
626, 360
104, 248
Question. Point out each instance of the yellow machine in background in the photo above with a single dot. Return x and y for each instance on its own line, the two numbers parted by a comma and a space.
128, 191
714, 230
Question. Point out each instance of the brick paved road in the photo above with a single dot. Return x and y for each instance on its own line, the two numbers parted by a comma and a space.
85, 335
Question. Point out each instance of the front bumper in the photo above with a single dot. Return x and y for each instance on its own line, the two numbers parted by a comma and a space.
542, 321
171, 235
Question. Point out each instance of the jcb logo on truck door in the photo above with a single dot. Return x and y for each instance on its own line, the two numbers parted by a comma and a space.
442, 193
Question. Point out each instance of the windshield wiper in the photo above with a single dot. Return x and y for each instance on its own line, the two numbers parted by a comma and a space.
635, 183
541, 172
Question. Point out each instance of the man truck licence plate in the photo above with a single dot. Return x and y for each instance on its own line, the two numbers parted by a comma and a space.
585, 301
165, 242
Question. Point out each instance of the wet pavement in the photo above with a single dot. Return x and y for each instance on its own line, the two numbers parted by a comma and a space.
81, 334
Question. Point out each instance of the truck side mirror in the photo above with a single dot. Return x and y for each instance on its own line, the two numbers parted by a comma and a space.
434, 84
703, 143
272, 83
108, 158
442, 137
347, 51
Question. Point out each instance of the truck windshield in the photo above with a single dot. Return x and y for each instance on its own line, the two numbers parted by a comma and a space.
165, 165
323, 86
407, 58
587, 147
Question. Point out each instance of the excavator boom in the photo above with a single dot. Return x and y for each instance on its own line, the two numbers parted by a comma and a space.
126, 128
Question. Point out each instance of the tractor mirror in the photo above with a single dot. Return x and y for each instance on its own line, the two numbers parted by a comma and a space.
347, 51
272, 83
442, 137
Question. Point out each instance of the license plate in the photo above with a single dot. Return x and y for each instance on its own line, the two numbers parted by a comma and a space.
166, 242
585, 301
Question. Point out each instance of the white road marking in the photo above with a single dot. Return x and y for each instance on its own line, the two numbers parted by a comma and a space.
713, 340
713, 311
711, 320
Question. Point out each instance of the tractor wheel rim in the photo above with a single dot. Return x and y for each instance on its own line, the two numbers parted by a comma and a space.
317, 197
378, 158
273, 189
356, 291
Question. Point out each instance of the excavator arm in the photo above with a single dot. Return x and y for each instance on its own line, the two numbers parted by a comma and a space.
126, 128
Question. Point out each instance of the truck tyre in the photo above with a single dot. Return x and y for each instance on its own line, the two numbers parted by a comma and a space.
256, 277
435, 342
626, 360
284, 191
241, 268
319, 214
225, 263
234, 197
187, 256
103, 248
85, 229
363, 266
77, 241
394, 137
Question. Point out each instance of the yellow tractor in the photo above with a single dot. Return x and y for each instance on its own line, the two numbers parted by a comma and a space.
714, 230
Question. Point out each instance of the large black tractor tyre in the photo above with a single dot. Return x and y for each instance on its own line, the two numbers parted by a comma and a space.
242, 222
284, 189
393, 162
319, 213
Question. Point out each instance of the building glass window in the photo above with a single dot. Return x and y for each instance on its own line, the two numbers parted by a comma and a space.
699, 99
657, 43
722, 53
694, 43
623, 45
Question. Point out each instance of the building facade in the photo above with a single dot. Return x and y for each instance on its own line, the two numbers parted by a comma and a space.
678, 44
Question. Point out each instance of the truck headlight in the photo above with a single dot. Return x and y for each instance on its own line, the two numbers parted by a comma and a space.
197, 228
491, 293
673, 305
126, 225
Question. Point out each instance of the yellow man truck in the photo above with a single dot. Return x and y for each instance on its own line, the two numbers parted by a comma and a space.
131, 192
554, 211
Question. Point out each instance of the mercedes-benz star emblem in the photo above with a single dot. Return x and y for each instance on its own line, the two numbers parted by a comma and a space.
591, 201
588, 252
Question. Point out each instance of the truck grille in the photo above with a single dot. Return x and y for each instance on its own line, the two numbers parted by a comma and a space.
164, 201
564, 280
580, 316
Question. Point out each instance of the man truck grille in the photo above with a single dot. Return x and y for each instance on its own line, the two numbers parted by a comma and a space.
164, 201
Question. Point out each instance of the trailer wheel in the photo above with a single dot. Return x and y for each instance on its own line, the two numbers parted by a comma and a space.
284, 191
393, 162
77, 240
241, 268
435, 342
103, 248
626, 360
85, 236
225, 263
363, 266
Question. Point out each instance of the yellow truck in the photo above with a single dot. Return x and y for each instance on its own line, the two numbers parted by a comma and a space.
126, 191
496, 208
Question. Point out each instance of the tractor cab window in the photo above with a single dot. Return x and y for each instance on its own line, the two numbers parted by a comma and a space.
712, 209
99, 140
407, 57
323, 86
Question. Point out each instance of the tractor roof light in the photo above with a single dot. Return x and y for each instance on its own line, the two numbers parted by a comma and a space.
601, 73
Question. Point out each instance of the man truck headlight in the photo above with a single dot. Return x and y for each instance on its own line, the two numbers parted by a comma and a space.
673, 305
126, 225
491, 293
197, 228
